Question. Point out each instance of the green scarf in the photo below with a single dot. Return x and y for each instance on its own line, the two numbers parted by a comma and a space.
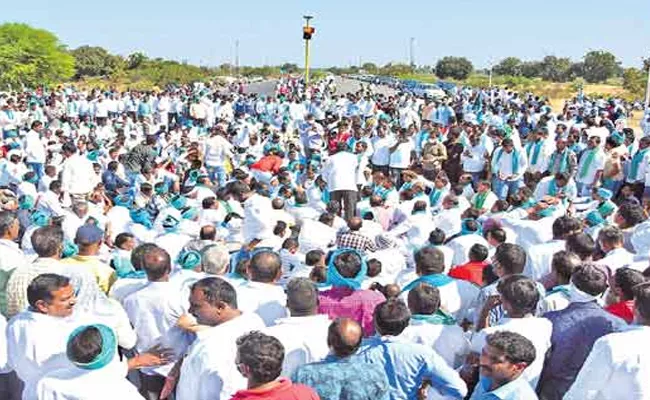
438, 318
564, 162
435, 196
536, 150
589, 159
636, 160
515, 161
480, 200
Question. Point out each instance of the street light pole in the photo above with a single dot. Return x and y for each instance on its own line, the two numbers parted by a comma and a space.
307, 39
647, 90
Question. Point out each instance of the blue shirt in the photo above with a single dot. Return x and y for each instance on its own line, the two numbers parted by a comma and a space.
575, 329
344, 378
408, 364
519, 389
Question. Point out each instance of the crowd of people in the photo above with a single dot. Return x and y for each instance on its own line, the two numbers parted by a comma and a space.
202, 243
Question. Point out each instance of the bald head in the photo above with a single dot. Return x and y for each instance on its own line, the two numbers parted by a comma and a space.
355, 224
265, 267
344, 337
157, 264
277, 203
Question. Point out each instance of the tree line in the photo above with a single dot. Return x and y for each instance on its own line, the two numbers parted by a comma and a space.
31, 57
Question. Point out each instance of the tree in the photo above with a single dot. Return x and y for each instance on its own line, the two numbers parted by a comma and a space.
288, 68
511, 66
396, 69
369, 67
454, 67
598, 66
555, 69
531, 69
136, 59
96, 61
634, 80
32, 57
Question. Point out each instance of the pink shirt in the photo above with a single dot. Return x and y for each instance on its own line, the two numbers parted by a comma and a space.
349, 303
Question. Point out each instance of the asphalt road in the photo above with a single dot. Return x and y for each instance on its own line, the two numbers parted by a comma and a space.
343, 85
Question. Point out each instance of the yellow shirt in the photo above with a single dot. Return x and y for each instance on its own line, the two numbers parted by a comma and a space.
105, 275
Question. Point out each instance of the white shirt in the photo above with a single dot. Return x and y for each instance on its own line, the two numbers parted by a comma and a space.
217, 148
265, 299
537, 330
304, 340
456, 297
616, 258
540, 256
49, 203
37, 343
381, 155
596, 165
172, 242
315, 235
401, 156
209, 370
73, 383
461, 246
618, 367
339, 171
256, 223
34, 148
78, 176
153, 311
447, 340
475, 162
449, 221
4, 364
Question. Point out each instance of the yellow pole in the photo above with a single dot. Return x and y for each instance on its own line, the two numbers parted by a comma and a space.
307, 54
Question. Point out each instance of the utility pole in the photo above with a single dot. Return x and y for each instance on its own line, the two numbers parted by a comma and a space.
647, 90
307, 32
411, 54
236, 57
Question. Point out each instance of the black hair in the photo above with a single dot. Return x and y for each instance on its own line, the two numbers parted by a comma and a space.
391, 317
511, 257
437, 237
590, 278
262, 354
632, 214
514, 347
348, 264
642, 300
429, 260
564, 226
580, 244
424, 299
374, 268
85, 346
122, 238
217, 290
521, 292
137, 255
626, 279
478, 252
313, 257
564, 263
41, 287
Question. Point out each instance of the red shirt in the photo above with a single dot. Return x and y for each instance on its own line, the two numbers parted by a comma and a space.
284, 389
268, 164
472, 272
623, 309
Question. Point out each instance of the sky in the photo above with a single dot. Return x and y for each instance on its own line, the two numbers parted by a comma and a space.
347, 32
